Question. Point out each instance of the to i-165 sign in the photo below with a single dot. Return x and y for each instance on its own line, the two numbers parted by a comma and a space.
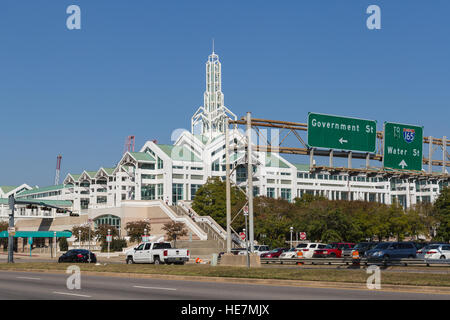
343, 133
402, 146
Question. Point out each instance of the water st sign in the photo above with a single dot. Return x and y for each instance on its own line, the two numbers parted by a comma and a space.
402, 146
343, 133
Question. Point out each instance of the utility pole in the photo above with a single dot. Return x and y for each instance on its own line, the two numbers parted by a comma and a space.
228, 185
12, 203
250, 179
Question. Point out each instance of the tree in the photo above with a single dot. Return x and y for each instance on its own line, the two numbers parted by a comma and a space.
84, 232
102, 232
398, 222
442, 212
3, 227
331, 236
210, 200
416, 222
63, 245
135, 229
175, 230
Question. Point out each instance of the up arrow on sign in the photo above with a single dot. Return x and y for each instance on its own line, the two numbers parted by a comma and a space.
403, 164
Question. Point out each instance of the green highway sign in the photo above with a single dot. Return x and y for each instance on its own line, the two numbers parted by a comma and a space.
402, 146
335, 132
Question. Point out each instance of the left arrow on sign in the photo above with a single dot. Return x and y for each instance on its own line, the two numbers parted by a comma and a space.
342, 141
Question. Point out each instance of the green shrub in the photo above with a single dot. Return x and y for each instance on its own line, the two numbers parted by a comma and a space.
63, 245
115, 245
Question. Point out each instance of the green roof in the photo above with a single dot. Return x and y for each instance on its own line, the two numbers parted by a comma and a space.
109, 171
37, 234
75, 176
275, 162
7, 189
43, 189
179, 153
91, 174
301, 167
57, 203
142, 156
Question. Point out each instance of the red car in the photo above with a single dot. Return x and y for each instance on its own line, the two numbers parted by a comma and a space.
333, 250
275, 253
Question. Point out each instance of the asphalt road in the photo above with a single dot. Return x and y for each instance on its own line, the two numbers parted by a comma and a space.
49, 286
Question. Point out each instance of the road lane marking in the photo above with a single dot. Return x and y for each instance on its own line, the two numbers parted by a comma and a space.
29, 278
159, 288
72, 294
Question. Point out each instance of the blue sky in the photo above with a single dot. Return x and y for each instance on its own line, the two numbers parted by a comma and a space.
137, 68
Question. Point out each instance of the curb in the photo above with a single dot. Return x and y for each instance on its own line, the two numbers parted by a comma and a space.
271, 282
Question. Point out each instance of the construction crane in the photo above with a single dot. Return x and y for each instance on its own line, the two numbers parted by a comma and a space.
129, 144
58, 169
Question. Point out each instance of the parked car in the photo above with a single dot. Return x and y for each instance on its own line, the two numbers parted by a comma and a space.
420, 245
275, 253
434, 251
78, 255
308, 248
291, 253
333, 250
392, 250
259, 249
157, 253
362, 247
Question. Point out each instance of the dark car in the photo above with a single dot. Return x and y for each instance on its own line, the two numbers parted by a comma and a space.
78, 255
362, 247
275, 253
392, 250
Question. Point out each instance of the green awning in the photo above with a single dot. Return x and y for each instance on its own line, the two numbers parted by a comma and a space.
38, 234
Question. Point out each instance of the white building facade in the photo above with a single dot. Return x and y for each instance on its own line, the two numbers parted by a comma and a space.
175, 172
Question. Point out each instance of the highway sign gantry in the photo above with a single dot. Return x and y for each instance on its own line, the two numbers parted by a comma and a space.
343, 133
403, 146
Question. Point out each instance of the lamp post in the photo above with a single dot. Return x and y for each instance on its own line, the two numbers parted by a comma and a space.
79, 239
89, 243
109, 240
291, 229
54, 237
145, 235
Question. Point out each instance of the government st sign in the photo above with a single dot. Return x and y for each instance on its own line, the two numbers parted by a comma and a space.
402, 146
335, 132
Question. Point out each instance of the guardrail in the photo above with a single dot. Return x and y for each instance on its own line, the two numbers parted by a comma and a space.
362, 261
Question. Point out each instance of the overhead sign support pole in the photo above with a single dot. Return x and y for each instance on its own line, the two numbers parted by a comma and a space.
250, 179
228, 185
444, 151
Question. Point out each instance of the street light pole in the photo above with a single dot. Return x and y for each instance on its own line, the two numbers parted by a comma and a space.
11, 225
79, 238
291, 229
54, 237
89, 243
109, 234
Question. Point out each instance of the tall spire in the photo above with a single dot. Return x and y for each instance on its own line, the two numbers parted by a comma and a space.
213, 113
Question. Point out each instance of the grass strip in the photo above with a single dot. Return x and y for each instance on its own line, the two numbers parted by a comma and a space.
350, 276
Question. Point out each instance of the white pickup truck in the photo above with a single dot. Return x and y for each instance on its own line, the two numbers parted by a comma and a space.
157, 253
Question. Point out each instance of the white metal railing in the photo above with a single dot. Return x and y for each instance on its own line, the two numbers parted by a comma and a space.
204, 219
187, 220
